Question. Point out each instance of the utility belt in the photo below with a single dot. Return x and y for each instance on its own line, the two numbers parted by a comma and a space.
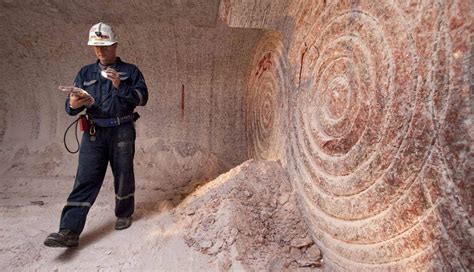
87, 122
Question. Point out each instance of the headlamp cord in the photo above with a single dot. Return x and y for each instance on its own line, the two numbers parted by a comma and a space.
77, 139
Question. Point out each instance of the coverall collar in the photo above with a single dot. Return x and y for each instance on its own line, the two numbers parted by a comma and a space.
118, 61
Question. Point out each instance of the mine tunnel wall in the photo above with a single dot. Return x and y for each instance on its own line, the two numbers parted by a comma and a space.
365, 103
196, 73
377, 134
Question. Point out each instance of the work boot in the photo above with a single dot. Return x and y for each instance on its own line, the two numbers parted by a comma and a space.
123, 223
63, 238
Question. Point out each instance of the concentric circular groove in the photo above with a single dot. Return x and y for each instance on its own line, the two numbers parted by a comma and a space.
267, 100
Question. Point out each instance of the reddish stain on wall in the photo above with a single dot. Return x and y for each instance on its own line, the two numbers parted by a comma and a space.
264, 64
182, 100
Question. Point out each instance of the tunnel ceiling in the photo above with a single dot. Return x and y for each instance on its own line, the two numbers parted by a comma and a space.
365, 103
202, 13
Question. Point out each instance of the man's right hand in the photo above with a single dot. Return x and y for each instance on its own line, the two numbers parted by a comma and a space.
76, 101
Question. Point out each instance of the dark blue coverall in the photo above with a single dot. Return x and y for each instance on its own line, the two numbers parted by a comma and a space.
111, 144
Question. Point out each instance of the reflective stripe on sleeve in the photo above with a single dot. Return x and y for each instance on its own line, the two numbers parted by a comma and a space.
140, 96
124, 197
79, 204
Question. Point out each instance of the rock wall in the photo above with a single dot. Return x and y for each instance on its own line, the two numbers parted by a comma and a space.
195, 68
367, 104
374, 107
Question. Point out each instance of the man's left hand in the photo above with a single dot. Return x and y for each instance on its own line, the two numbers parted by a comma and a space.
113, 76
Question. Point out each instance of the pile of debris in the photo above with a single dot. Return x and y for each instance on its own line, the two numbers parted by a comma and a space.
248, 218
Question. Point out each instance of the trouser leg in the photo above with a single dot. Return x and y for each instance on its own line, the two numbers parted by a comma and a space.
93, 159
121, 162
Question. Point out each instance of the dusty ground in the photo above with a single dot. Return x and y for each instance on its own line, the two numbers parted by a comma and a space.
242, 220
154, 242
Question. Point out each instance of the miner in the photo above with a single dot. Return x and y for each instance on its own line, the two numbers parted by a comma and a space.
115, 89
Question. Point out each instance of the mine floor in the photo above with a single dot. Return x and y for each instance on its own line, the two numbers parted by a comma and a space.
30, 211
244, 220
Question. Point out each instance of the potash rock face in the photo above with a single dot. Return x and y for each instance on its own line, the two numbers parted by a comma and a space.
379, 130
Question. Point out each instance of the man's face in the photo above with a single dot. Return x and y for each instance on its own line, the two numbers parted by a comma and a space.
106, 54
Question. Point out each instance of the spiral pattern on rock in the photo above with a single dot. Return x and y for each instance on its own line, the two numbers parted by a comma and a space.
362, 138
267, 100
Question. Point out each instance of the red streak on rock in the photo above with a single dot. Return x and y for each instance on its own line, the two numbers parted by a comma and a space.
182, 100
264, 64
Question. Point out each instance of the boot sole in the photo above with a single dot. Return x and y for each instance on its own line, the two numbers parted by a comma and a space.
123, 227
54, 243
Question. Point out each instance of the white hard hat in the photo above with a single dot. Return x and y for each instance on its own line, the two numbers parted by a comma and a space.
101, 35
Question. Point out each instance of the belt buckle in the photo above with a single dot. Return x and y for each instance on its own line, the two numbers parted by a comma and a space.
118, 121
